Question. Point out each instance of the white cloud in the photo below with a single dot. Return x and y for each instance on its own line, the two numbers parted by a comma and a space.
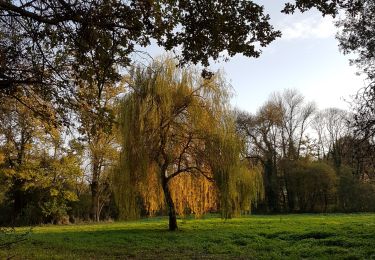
313, 27
334, 89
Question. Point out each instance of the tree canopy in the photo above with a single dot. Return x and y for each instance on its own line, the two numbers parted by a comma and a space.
174, 123
356, 36
49, 47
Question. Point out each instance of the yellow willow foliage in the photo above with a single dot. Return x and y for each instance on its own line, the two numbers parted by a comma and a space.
194, 194
240, 184
126, 194
151, 192
248, 188
172, 119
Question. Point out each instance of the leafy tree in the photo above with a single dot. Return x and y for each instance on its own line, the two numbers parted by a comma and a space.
260, 133
17, 132
37, 171
363, 107
354, 195
311, 185
97, 129
276, 132
175, 123
47, 46
357, 37
326, 7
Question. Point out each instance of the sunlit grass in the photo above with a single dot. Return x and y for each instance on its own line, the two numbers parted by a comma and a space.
339, 236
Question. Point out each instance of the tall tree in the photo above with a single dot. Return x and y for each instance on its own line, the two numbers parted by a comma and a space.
275, 133
46, 45
296, 117
174, 123
98, 129
331, 125
356, 36
37, 169
17, 131
262, 134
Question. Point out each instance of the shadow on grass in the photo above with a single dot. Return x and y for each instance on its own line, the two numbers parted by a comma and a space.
244, 238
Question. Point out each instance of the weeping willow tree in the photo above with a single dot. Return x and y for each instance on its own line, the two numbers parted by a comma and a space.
180, 145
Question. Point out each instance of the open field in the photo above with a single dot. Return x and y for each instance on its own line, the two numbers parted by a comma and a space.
338, 236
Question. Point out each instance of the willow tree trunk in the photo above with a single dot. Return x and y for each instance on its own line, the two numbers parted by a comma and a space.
170, 204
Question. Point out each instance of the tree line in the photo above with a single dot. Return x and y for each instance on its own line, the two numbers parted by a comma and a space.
175, 146
312, 160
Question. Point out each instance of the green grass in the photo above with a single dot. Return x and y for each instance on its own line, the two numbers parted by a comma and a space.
338, 236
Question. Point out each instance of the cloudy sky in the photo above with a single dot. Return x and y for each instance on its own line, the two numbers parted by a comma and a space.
306, 58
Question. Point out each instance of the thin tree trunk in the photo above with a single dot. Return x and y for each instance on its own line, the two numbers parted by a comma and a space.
95, 193
18, 197
18, 194
170, 205
94, 201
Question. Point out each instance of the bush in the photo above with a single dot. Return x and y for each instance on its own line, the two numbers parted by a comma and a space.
310, 186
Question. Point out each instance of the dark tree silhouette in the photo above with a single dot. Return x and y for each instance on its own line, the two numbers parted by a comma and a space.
357, 37
47, 45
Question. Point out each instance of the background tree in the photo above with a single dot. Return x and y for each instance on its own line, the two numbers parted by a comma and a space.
311, 185
261, 132
98, 130
37, 170
275, 133
331, 125
17, 133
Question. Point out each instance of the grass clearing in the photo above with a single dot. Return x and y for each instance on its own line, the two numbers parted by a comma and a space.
337, 236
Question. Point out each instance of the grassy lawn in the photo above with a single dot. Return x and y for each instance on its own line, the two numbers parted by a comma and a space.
338, 236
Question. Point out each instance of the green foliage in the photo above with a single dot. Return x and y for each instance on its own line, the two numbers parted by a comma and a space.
45, 184
318, 236
311, 186
47, 187
94, 42
240, 184
353, 194
326, 7
55, 210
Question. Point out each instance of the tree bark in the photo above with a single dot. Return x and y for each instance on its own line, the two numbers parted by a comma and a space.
94, 201
18, 194
170, 205
271, 185
18, 197
94, 211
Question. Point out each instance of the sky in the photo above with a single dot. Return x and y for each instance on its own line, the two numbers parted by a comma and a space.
306, 58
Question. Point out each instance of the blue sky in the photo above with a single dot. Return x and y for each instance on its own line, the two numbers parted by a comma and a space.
306, 58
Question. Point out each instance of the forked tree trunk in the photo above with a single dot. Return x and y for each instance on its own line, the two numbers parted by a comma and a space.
170, 205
